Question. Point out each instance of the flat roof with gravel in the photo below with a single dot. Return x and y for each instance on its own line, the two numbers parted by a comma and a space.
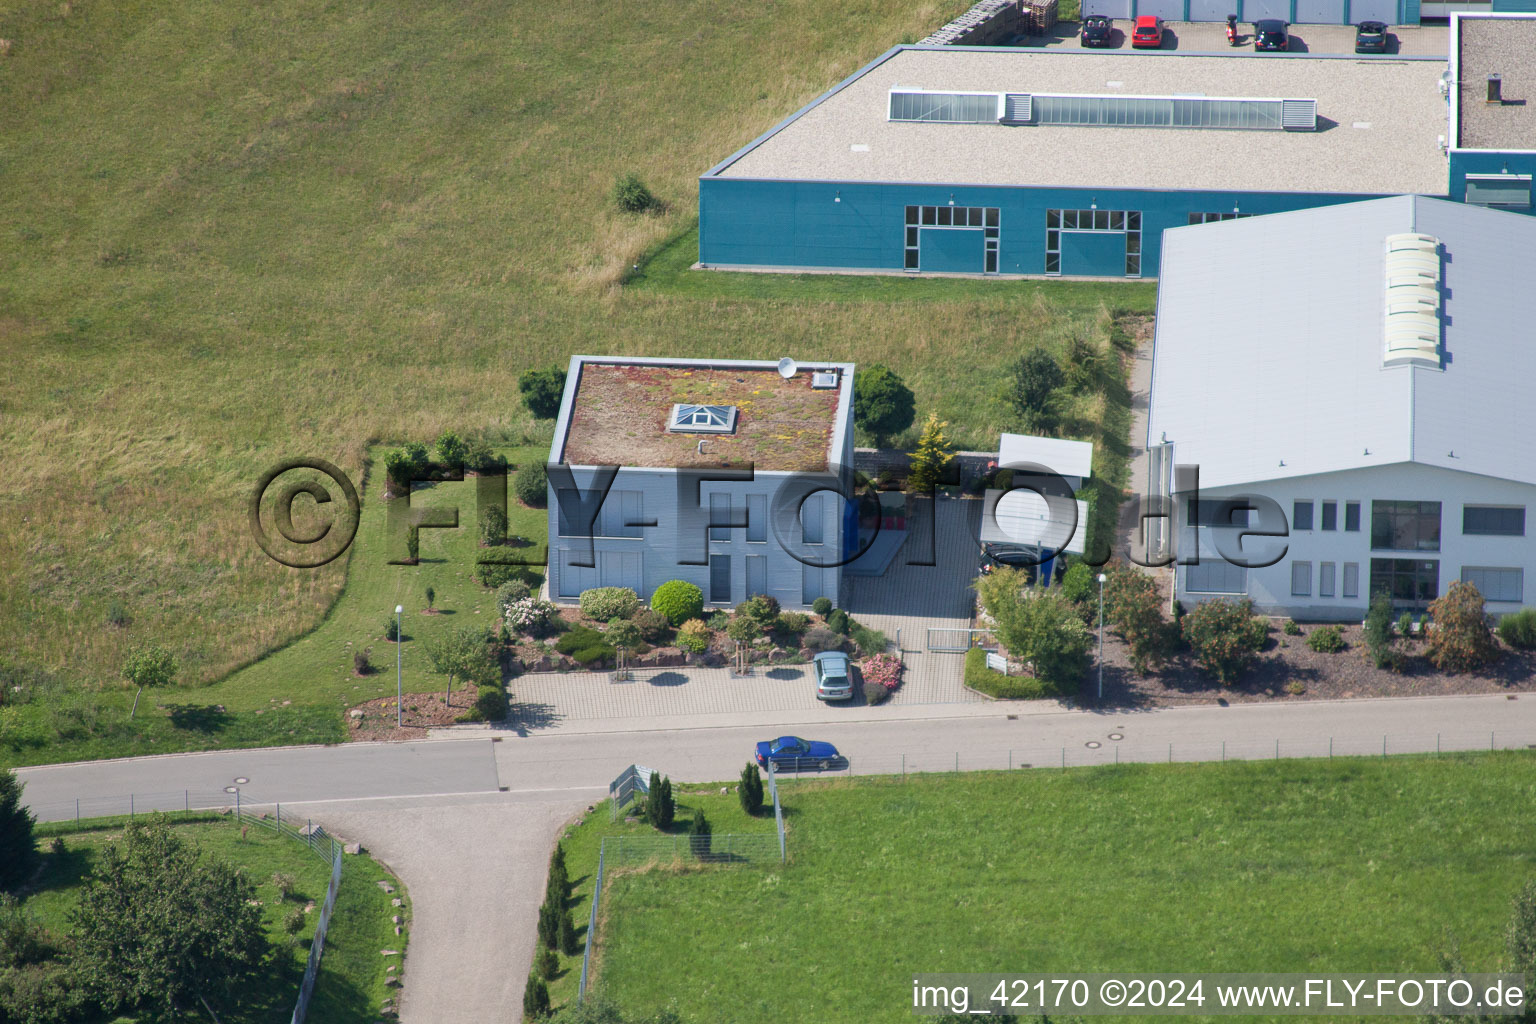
1500, 46
1379, 125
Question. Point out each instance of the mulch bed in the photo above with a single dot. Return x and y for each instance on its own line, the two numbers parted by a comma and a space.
423, 711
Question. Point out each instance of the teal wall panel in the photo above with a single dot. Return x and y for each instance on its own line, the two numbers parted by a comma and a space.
1487, 162
949, 250
1093, 254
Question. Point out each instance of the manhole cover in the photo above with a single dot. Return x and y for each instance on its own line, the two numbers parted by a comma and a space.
229, 789
241, 781
1117, 735
1093, 744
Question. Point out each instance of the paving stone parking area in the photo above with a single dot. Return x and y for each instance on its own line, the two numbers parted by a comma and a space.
1211, 37
906, 601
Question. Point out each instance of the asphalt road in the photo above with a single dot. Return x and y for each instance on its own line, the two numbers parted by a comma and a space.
468, 820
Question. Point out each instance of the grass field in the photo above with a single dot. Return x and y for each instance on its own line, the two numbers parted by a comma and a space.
1340, 865
350, 986
236, 234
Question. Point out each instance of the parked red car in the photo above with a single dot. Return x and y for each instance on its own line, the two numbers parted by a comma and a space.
1148, 33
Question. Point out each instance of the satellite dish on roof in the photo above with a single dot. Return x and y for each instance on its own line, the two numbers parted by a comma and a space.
787, 368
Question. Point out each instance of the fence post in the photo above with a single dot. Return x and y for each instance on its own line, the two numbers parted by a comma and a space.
186, 801
1063, 758
77, 810
1330, 746
1277, 748
1437, 744
1223, 750
1117, 753
1383, 745
1170, 753
903, 767
130, 805
1490, 740
237, 803
1010, 760
957, 760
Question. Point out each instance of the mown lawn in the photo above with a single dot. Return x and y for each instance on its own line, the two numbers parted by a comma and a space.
232, 235
351, 984
1342, 865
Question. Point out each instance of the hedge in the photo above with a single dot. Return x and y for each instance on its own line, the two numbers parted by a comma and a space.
993, 683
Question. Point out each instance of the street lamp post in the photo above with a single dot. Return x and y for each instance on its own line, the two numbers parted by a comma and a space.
400, 641
1102, 578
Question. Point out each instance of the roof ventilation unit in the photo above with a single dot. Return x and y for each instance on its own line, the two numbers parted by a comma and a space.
1018, 108
1298, 115
823, 379
1412, 301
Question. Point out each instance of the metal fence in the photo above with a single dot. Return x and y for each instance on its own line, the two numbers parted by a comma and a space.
268, 816
958, 639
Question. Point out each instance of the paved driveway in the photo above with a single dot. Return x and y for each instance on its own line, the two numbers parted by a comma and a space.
1211, 37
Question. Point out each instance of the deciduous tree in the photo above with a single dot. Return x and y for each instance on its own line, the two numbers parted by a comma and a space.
882, 403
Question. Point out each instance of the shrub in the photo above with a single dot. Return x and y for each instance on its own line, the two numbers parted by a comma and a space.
994, 683
699, 834
413, 545
822, 605
491, 704
792, 623
819, 638
718, 621
744, 630
532, 616
1405, 624
750, 791
870, 641
585, 645
1327, 640
934, 453
392, 630
875, 694
1078, 582
547, 964
494, 574
117, 615
1295, 687
679, 601
764, 608
535, 998
18, 849
1378, 634
631, 195
882, 670
566, 935
1225, 636
693, 636
660, 809
510, 593
452, 451
481, 458
431, 596
493, 525
652, 625
549, 923
1461, 640
531, 484
1034, 380
837, 621
1291, 628
558, 882
604, 603
360, 663
883, 405
404, 465
542, 391
623, 633
1518, 629
293, 921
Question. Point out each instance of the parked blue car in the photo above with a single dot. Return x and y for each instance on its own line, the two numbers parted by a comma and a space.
795, 754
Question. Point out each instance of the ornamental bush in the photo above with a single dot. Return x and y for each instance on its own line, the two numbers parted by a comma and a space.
1225, 636
653, 625
493, 574
822, 605
819, 638
585, 645
531, 616
1291, 628
764, 608
750, 791
875, 694
531, 484
1378, 634
837, 621
883, 670
744, 630
793, 623
1326, 640
603, 603
1077, 583
1461, 640
510, 593
1518, 629
693, 636
1133, 606
622, 633
869, 641
994, 683
491, 704
679, 601
493, 525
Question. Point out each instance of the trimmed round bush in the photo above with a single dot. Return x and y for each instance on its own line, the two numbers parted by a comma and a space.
604, 603
510, 593
693, 636
837, 621
531, 484
679, 601
874, 693
822, 605
491, 704
762, 607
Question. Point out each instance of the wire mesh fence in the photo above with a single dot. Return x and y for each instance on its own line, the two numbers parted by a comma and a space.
639, 851
183, 801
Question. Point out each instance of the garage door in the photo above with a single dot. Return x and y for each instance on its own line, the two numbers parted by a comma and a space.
1320, 12
1108, 8
1257, 10
950, 250
1093, 253
1211, 10
1168, 10
1373, 10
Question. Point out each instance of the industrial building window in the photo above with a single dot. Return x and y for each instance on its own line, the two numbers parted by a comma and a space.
1330, 515
1406, 581
1301, 515
950, 107
1493, 521
1351, 579
1405, 526
1325, 579
1173, 112
1496, 584
1212, 218
988, 218
1504, 191
1352, 517
1058, 222
1301, 579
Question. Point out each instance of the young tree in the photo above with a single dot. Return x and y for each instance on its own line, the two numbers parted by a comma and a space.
431, 596
567, 934
934, 452
549, 923
659, 807
882, 404
535, 998
1461, 640
452, 451
1041, 627
463, 652
1378, 634
162, 931
1035, 377
493, 526
558, 884
1225, 636
1134, 608
149, 665
18, 848
542, 391
699, 834
750, 792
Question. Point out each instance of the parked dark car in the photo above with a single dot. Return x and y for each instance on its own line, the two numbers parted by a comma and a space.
1371, 37
1097, 30
1148, 33
1270, 35
795, 754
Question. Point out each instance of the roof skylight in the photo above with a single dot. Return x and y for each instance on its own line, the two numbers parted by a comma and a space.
703, 419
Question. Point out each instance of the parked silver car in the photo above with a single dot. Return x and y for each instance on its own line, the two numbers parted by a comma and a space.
834, 678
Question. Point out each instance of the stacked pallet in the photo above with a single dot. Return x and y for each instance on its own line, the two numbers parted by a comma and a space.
1038, 18
989, 21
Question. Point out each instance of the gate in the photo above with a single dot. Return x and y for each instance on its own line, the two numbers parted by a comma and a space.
956, 640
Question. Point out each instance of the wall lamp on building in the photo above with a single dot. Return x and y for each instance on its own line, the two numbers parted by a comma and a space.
839, 197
